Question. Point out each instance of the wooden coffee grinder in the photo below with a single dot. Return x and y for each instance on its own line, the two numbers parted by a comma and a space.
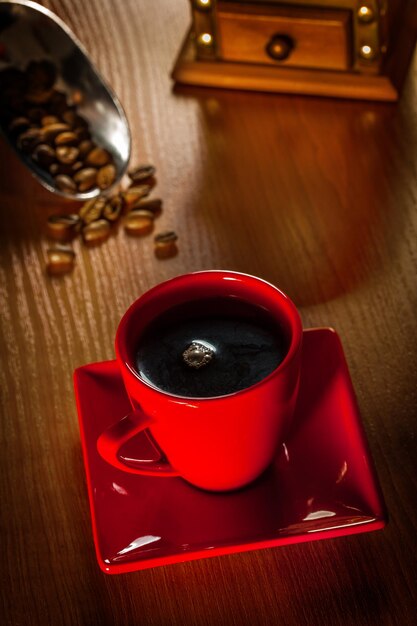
342, 48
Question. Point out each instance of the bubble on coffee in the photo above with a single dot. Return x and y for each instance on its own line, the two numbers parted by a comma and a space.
211, 347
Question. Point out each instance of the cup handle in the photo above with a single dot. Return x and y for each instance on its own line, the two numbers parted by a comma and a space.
111, 440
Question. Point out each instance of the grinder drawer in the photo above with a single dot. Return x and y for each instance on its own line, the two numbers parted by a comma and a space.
286, 36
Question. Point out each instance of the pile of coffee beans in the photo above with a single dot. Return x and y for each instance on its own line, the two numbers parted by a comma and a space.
100, 217
44, 124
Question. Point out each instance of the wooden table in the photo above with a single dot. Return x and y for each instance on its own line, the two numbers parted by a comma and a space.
317, 196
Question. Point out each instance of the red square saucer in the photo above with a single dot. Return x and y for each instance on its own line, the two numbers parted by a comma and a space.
322, 483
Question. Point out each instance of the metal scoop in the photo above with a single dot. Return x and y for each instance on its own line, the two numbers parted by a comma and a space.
29, 32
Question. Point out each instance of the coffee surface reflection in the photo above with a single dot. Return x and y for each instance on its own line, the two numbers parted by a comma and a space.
210, 348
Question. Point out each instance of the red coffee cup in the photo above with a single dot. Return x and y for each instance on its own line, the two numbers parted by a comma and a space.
219, 443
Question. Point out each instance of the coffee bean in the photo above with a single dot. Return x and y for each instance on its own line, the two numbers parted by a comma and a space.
113, 208
141, 173
68, 138
96, 233
166, 250
165, 244
67, 154
98, 157
77, 166
133, 195
92, 209
60, 260
44, 155
106, 176
155, 206
47, 120
138, 225
85, 147
65, 183
166, 236
86, 178
53, 130
28, 140
63, 227
86, 207
19, 125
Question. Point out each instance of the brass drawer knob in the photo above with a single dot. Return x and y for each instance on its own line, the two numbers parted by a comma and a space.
279, 47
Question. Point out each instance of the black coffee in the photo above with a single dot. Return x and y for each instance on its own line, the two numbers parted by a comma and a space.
209, 348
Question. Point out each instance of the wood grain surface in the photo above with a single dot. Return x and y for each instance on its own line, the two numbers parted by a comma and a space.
315, 195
